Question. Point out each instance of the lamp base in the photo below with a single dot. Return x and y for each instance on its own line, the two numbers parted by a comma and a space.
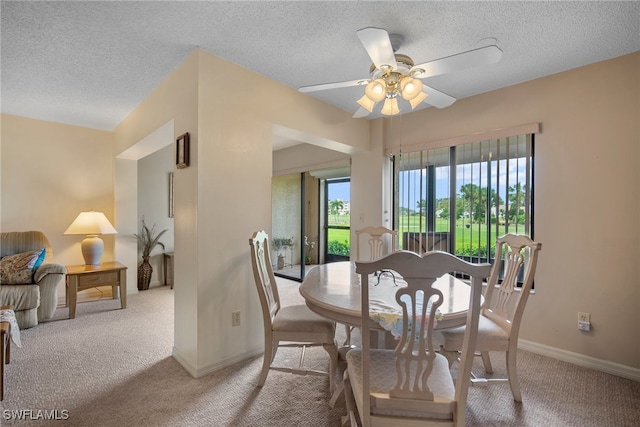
92, 248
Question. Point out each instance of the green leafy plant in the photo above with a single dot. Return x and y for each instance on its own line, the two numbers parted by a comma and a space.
148, 239
338, 248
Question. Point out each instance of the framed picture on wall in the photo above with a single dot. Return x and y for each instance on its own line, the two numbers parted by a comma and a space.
182, 151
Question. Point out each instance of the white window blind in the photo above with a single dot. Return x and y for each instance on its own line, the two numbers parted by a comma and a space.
460, 198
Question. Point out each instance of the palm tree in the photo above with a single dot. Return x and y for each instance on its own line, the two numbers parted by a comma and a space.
494, 204
474, 198
335, 206
517, 194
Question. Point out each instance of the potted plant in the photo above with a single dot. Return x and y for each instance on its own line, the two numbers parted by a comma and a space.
147, 241
309, 245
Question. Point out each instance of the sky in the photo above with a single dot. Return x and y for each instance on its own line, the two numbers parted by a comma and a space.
467, 173
340, 190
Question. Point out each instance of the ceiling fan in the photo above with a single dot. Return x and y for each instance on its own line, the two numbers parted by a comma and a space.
395, 75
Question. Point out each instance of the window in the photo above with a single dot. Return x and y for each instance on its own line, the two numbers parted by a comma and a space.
460, 199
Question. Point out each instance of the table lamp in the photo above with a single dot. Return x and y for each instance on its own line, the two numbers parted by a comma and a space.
92, 224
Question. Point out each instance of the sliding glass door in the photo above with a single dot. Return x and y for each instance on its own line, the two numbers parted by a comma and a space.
310, 221
295, 224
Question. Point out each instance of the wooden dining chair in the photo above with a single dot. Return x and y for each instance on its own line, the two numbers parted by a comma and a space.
501, 315
412, 385
377, 239
294, 326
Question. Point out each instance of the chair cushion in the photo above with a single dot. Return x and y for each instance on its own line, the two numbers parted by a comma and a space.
383, 376
491, 337
300, 318
18, 269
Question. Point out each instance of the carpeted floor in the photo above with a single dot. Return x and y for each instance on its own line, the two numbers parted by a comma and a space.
111, 367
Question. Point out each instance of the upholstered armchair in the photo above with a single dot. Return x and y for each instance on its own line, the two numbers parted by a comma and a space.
30, 279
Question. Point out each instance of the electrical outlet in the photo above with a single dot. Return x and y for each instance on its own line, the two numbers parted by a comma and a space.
584, 321
584, 326
235, 318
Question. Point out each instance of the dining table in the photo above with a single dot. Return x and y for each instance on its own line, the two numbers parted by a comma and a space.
333, 291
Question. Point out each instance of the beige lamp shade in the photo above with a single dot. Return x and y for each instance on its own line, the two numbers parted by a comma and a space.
417, 100
410, 88
390, 107
376, 90
366, 103
91, 224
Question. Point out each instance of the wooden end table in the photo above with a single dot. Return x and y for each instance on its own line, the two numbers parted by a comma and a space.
81, 277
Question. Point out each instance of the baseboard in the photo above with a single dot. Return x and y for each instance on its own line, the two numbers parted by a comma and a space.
197, 372
152, 285
183, 362
581, 360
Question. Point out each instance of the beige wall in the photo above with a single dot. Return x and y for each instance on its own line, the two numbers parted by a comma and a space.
307, 157
586, 199
176, 99
50, 173
370, 199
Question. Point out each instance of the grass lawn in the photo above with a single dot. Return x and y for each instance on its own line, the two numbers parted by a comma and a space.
468, 235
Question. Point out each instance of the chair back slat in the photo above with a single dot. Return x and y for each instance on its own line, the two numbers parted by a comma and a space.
415, 352
513, 261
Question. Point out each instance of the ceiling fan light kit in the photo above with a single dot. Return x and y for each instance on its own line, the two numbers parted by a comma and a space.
394, 74
389, 87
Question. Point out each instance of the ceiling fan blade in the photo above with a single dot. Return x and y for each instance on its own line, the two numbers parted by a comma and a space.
362, 112
436, 98
472, 58
378, 45
326, 86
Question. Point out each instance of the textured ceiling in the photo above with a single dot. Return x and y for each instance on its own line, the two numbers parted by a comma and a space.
91, 63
